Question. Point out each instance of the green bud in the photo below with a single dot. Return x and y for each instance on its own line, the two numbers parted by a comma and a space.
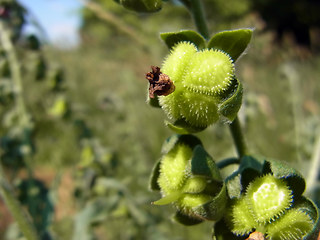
206, 89
146, 6
188, 179
267, 206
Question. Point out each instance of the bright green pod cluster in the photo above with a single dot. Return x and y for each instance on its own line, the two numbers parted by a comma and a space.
189, 179
205, 86
268, 207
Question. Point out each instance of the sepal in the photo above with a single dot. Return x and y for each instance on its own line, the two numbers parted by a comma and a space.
233, 42
172, 38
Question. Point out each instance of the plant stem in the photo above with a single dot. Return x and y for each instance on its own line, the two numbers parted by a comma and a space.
238, 138
23, 220
19, 214
196, 9
226, 162
314, 167
5, 38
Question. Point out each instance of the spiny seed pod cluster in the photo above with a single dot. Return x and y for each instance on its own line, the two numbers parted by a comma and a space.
189, 179
205, 86
268, 207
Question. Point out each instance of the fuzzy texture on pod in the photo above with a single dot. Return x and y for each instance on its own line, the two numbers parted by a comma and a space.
203, 80
268, 197
187, 192
267, 207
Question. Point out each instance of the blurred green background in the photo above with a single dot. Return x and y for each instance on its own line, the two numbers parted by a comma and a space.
95, 139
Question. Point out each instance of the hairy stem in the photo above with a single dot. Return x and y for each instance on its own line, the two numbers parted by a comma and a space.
196, 9
238, 138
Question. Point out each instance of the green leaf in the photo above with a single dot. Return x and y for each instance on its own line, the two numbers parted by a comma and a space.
153, 183
203, 165
233, 183
168, 199
231, 105
314, 234
172, 38
221, 231
293, 178
214, 209
249, 169
154, 102
186, 139
233, 42
306, 205
186, 220
182, 127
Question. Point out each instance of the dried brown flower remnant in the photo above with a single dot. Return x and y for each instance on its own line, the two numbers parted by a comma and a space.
256, 236
160, 83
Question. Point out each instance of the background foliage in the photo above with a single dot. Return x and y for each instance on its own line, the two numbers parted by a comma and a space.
93, 140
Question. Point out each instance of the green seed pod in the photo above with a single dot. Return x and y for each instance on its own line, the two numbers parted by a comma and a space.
145, 6
294, 225
241, 223
188, 179
267, 206
205, 86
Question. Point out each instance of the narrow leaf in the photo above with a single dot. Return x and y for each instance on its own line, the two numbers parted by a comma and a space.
182, 127
231, 105
203, 165
168, 199
153, 184
185, 220
281, 170
154, 102
186, 139
214, 209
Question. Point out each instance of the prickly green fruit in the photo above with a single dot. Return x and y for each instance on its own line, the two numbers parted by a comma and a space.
187, 177
204, 86
242, 221
267, 207
173, 171
294, 225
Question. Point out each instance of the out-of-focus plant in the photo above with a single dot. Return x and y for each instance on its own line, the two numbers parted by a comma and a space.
22, 59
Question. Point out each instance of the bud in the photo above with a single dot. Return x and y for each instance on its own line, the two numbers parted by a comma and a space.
146, 6
268, 207
205, 86
189, 179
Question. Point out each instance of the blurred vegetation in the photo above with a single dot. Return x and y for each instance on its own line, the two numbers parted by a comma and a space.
92, 138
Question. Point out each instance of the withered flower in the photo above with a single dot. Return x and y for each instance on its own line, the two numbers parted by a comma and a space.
160, 83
